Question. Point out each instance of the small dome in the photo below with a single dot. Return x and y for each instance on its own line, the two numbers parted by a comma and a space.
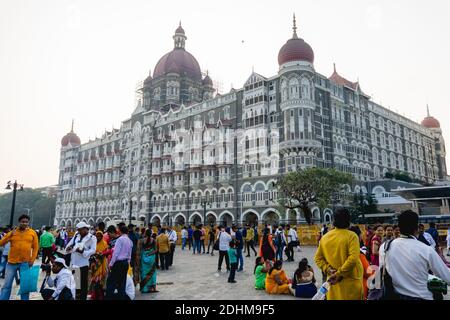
430, 122
295, 50
179, 29
71, 138
148, 79
207, 81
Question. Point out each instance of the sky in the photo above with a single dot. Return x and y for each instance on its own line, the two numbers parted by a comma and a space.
63, 59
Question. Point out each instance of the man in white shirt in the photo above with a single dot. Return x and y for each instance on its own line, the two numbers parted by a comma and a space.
172, 234
408, 261
184, 237
64, 282
292, 241
426, 236
82, 246
224, 244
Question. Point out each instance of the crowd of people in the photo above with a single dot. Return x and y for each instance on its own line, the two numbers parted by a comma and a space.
111, 263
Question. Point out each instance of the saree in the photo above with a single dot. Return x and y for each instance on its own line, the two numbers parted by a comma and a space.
98, 270
147, 259
272, 287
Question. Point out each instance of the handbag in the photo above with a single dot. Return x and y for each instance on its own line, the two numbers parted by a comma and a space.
29, 279
216, 244
387, 290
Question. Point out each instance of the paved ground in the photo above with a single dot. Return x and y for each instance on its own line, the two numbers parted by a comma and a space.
195, 277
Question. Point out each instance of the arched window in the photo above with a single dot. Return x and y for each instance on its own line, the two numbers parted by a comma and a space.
293, 88
284, 90
306, 89
375, 155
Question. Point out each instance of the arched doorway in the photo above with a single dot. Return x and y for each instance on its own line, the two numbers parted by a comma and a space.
271, 218
211, 219
156, 221
196, 220
180, 221
291, 217
251, 219
226, 219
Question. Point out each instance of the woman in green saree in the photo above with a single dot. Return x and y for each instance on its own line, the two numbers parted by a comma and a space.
145, 267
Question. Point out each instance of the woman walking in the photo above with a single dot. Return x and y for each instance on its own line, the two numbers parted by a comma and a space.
145, 272
266, 247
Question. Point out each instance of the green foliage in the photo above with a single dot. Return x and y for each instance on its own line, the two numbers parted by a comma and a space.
302, 188
362, 204
42, 208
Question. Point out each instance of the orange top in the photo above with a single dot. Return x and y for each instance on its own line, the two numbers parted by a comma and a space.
24, 245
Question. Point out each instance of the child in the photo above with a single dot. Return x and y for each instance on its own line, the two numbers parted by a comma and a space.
232, 256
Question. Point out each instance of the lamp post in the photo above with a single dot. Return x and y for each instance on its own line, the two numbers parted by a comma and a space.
13, 205
31, 217
131, 209
204, 203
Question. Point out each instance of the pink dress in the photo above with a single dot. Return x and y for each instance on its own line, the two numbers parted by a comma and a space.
374, 259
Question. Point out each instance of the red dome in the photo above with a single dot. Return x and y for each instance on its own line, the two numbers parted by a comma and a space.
178, 61
430, 122
295, 49
71, 138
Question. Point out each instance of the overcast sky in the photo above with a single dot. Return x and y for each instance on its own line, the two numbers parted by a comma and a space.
63, 59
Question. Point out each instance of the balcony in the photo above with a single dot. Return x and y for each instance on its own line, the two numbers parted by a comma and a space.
209, 180
300, 144
156, 171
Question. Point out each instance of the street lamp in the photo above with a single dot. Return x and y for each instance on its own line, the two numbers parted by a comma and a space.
31, 218
13, 205
204, 203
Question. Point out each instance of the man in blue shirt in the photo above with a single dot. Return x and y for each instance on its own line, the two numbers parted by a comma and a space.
239, 240
434, 233
190, 236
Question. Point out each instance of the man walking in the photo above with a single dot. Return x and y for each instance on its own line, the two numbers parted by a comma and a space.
46, 244
292, 239
173, 240
184, 237
280, 242
23, 252
190, 236
239, 244
119, 265
250, 241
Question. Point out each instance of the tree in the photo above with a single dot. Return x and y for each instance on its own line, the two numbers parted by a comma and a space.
304, 187
363, 204
42, 207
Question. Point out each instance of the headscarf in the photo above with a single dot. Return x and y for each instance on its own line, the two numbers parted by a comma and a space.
101, 245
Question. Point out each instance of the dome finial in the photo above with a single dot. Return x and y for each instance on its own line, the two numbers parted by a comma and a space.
334, 67
294, 29
428, 111
179, 37
71, 130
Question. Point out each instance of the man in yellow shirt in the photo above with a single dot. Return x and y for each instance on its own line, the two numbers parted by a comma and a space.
24, 250
249, 240
338, 257
163, 245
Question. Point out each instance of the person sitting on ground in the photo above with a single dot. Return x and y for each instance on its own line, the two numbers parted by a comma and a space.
276, 281
63, 281
303, 282
260, 272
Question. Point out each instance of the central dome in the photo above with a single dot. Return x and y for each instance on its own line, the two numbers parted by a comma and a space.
178, 60
295, 49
